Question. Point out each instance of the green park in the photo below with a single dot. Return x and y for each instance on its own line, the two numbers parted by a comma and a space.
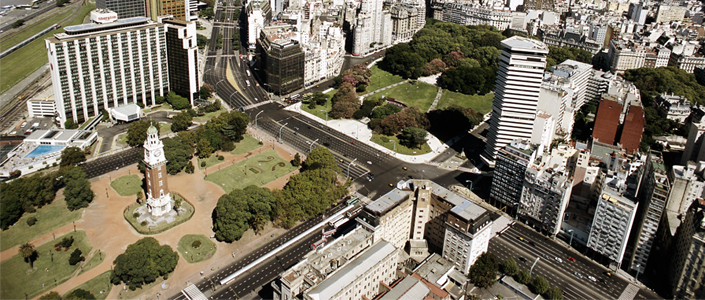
256, 170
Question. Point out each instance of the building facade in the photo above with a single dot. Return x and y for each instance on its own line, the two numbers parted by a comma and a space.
687, 268
517, 88
389, 217
467, 235
177, 8
183, 58
96, 67
282, 60
507, 184
124, 8
612, 224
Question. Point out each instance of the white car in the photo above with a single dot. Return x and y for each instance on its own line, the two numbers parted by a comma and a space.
592, 278
558, 259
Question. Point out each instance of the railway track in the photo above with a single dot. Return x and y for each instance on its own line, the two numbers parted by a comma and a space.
15, 109
39, 20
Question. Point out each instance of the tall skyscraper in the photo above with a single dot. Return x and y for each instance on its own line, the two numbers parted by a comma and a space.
177, 8
183, 58
614, 217
507, 182
96, 67
124, 8
518, 84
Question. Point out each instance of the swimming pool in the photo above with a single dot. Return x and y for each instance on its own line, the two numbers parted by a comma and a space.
44, 150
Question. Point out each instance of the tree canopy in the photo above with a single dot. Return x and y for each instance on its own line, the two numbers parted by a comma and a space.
23, 195
79, 294
72, 156
143, 262
181, 121
177, 102
654, 81
554, 293
137, 132
178, 153
78, 193
509, 267
483, 273
240, 209
412, 137
320, 158
539, 285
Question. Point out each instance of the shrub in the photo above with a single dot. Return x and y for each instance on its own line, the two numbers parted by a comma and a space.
31, 221
143, 223
189, 168
203, 164
220, 157
136, 215
66, 242
196, 244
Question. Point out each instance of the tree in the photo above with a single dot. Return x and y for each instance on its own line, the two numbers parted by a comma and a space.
554, 293
78, 193
206, 91
365, 109
137, 132
557, 55
178, 153
483, 272
207, 13
60, 3
29, 254
523, 277
189, 168
181, 121
201, 40
239, 209
143, 262
410, 116
31, 221
451, 59
177, 102
53, 295
24, 194
177, 204
384, 111
509, 267
204, 149
72, 156
76, 257
296, 162
319, 98
539, 285
321, 158
70, 124
402, 60
79, 294
18, 23
413, 137
306, 195
434, 67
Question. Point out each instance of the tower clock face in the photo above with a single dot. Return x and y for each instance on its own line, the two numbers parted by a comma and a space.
157, 153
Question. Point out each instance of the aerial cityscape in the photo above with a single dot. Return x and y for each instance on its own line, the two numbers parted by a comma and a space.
352, 149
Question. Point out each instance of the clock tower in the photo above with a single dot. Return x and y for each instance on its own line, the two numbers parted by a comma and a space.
158, 197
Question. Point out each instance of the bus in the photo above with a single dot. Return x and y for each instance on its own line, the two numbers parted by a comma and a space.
318, 244
332, 222
328, 233
340, 222
352, 200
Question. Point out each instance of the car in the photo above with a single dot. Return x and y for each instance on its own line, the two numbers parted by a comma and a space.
571, 259
578, 275
369, 162
558, 259
307, 142
391, 184
352, 143
592, 278
602, 281
532, 243
608, 273
546, 256
522, 259
404, 168
521, 239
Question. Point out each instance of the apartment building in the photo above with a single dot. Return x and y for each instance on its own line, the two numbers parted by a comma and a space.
512, 162
547, 186
101, 66
653, 193
373, 29
41, 107
612, 224
124, 8
626, 55
633, 127
390, 217
467, 234
569, 38
607, 120
687, 267
282, 59
563, 92
472, 14
259, 14
518, 85
670, 13
180, 9
693, 148
405, 21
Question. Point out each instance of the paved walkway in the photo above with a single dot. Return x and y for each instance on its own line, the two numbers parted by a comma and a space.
435, 101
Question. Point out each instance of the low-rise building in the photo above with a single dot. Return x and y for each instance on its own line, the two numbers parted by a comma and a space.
673, 107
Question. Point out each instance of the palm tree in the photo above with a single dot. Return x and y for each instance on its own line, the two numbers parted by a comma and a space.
27, 252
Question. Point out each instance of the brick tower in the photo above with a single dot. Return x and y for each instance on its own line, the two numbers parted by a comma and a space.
158, 198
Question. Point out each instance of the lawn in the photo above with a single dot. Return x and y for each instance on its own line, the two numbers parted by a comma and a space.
153, 109
59, 14
386, 141
247, 144
127, 185
210, 161
321, 110
204, 118
164, 128
49, 218
16, 278
19, 64
258, 170
479, 103
95, 259
99, 286
122, 140
419, 94
381, 78
194, 255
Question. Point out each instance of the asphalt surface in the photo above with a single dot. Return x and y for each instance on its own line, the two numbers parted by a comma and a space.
113, 162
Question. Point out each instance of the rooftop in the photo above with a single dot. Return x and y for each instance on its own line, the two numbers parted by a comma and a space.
522, 43
350, 272
468, 211
409, 288
387, 201
75, 29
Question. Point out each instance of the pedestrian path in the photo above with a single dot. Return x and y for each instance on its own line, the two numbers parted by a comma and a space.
435, 101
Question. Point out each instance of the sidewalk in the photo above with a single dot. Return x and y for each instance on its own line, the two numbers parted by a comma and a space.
358, 130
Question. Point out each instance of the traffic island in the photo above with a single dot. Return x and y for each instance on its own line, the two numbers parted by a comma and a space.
144, 223
196, 248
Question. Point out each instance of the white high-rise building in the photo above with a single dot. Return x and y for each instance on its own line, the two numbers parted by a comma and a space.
96, 67
612, 224
521, 66
373, 30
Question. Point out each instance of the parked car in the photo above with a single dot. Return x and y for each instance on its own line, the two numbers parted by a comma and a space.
532, 243
571, 259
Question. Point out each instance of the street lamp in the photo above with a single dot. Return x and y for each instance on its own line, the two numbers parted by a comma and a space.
532, 266
571, 237
280, 132
261, 111
326, 115
470, 181
637, 272
348, 176
311, 146
395, 145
